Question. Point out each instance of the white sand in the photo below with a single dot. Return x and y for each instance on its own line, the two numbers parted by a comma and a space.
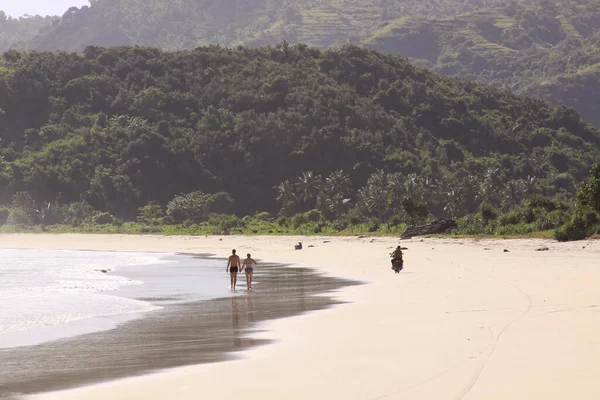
460, 322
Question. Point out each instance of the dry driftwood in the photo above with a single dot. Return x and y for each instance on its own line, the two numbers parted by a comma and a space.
439, 226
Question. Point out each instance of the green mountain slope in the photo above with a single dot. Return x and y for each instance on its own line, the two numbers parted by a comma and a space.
182, 24
548, 49
119, 127
541, 48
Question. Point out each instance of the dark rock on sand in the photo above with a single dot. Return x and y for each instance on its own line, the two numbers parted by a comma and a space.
439, 226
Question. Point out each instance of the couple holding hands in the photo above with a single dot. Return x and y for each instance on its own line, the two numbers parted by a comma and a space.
234, 264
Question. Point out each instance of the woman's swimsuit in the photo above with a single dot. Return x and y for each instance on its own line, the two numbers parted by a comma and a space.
249, 270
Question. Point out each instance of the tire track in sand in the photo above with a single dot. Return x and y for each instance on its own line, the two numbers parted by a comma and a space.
487, 357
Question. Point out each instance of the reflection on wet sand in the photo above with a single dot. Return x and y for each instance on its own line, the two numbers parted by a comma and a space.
180, 334
242, 307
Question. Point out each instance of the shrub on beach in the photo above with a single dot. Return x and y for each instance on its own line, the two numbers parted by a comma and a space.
223, 224
470, 225
102, 218
513, 217
4, 213
586, 218
488, 213
189, 206
313, 215
76, 213
283, 221
263, 216
585, 222
151, 213
19, 216
298, 220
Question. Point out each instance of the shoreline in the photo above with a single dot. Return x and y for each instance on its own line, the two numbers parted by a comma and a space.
464, 320
185, 331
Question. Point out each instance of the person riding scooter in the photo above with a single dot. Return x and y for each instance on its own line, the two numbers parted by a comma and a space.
397, 261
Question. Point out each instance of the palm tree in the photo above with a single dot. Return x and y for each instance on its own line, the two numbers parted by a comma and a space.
531, 185
512, 194
488, 189
376, 195
338, 182
397, 190
454, 201
420, 187
307, 187
468, 190
286, 197
285, 192
335, 194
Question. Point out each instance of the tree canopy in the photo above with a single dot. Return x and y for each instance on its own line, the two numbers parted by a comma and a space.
122, 127
546, 49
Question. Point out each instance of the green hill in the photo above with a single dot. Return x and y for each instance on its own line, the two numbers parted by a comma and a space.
184, 24
548, 50
541, 48
117, 128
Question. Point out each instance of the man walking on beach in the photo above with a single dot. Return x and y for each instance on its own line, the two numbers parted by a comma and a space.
233, 266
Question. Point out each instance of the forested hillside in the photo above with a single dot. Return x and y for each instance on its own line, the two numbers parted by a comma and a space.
18, 32
185, 24
255, 129
547, 49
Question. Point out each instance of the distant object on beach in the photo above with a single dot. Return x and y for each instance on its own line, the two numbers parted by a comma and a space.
542, 249
439, 226
298, 246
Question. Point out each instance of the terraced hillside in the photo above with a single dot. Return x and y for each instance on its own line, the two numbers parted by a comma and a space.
180, 24
545, 49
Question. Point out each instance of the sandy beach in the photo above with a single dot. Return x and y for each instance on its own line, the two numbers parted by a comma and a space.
464, 320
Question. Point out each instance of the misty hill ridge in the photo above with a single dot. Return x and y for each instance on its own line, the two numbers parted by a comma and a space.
548, 50
181, 24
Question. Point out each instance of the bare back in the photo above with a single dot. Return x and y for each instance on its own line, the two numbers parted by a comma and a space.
234, 260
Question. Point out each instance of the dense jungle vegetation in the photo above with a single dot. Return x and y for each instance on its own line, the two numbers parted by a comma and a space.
541, 48
297, 137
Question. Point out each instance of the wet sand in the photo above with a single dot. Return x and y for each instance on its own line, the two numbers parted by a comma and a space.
178, 335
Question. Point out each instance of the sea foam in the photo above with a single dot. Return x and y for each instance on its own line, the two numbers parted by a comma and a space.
42, 288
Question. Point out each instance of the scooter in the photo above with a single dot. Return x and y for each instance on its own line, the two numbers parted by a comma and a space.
397, 265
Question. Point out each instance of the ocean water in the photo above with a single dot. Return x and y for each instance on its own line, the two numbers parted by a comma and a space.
45, 295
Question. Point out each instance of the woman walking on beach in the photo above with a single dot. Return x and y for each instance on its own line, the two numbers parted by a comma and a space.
232, 267
248, 263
